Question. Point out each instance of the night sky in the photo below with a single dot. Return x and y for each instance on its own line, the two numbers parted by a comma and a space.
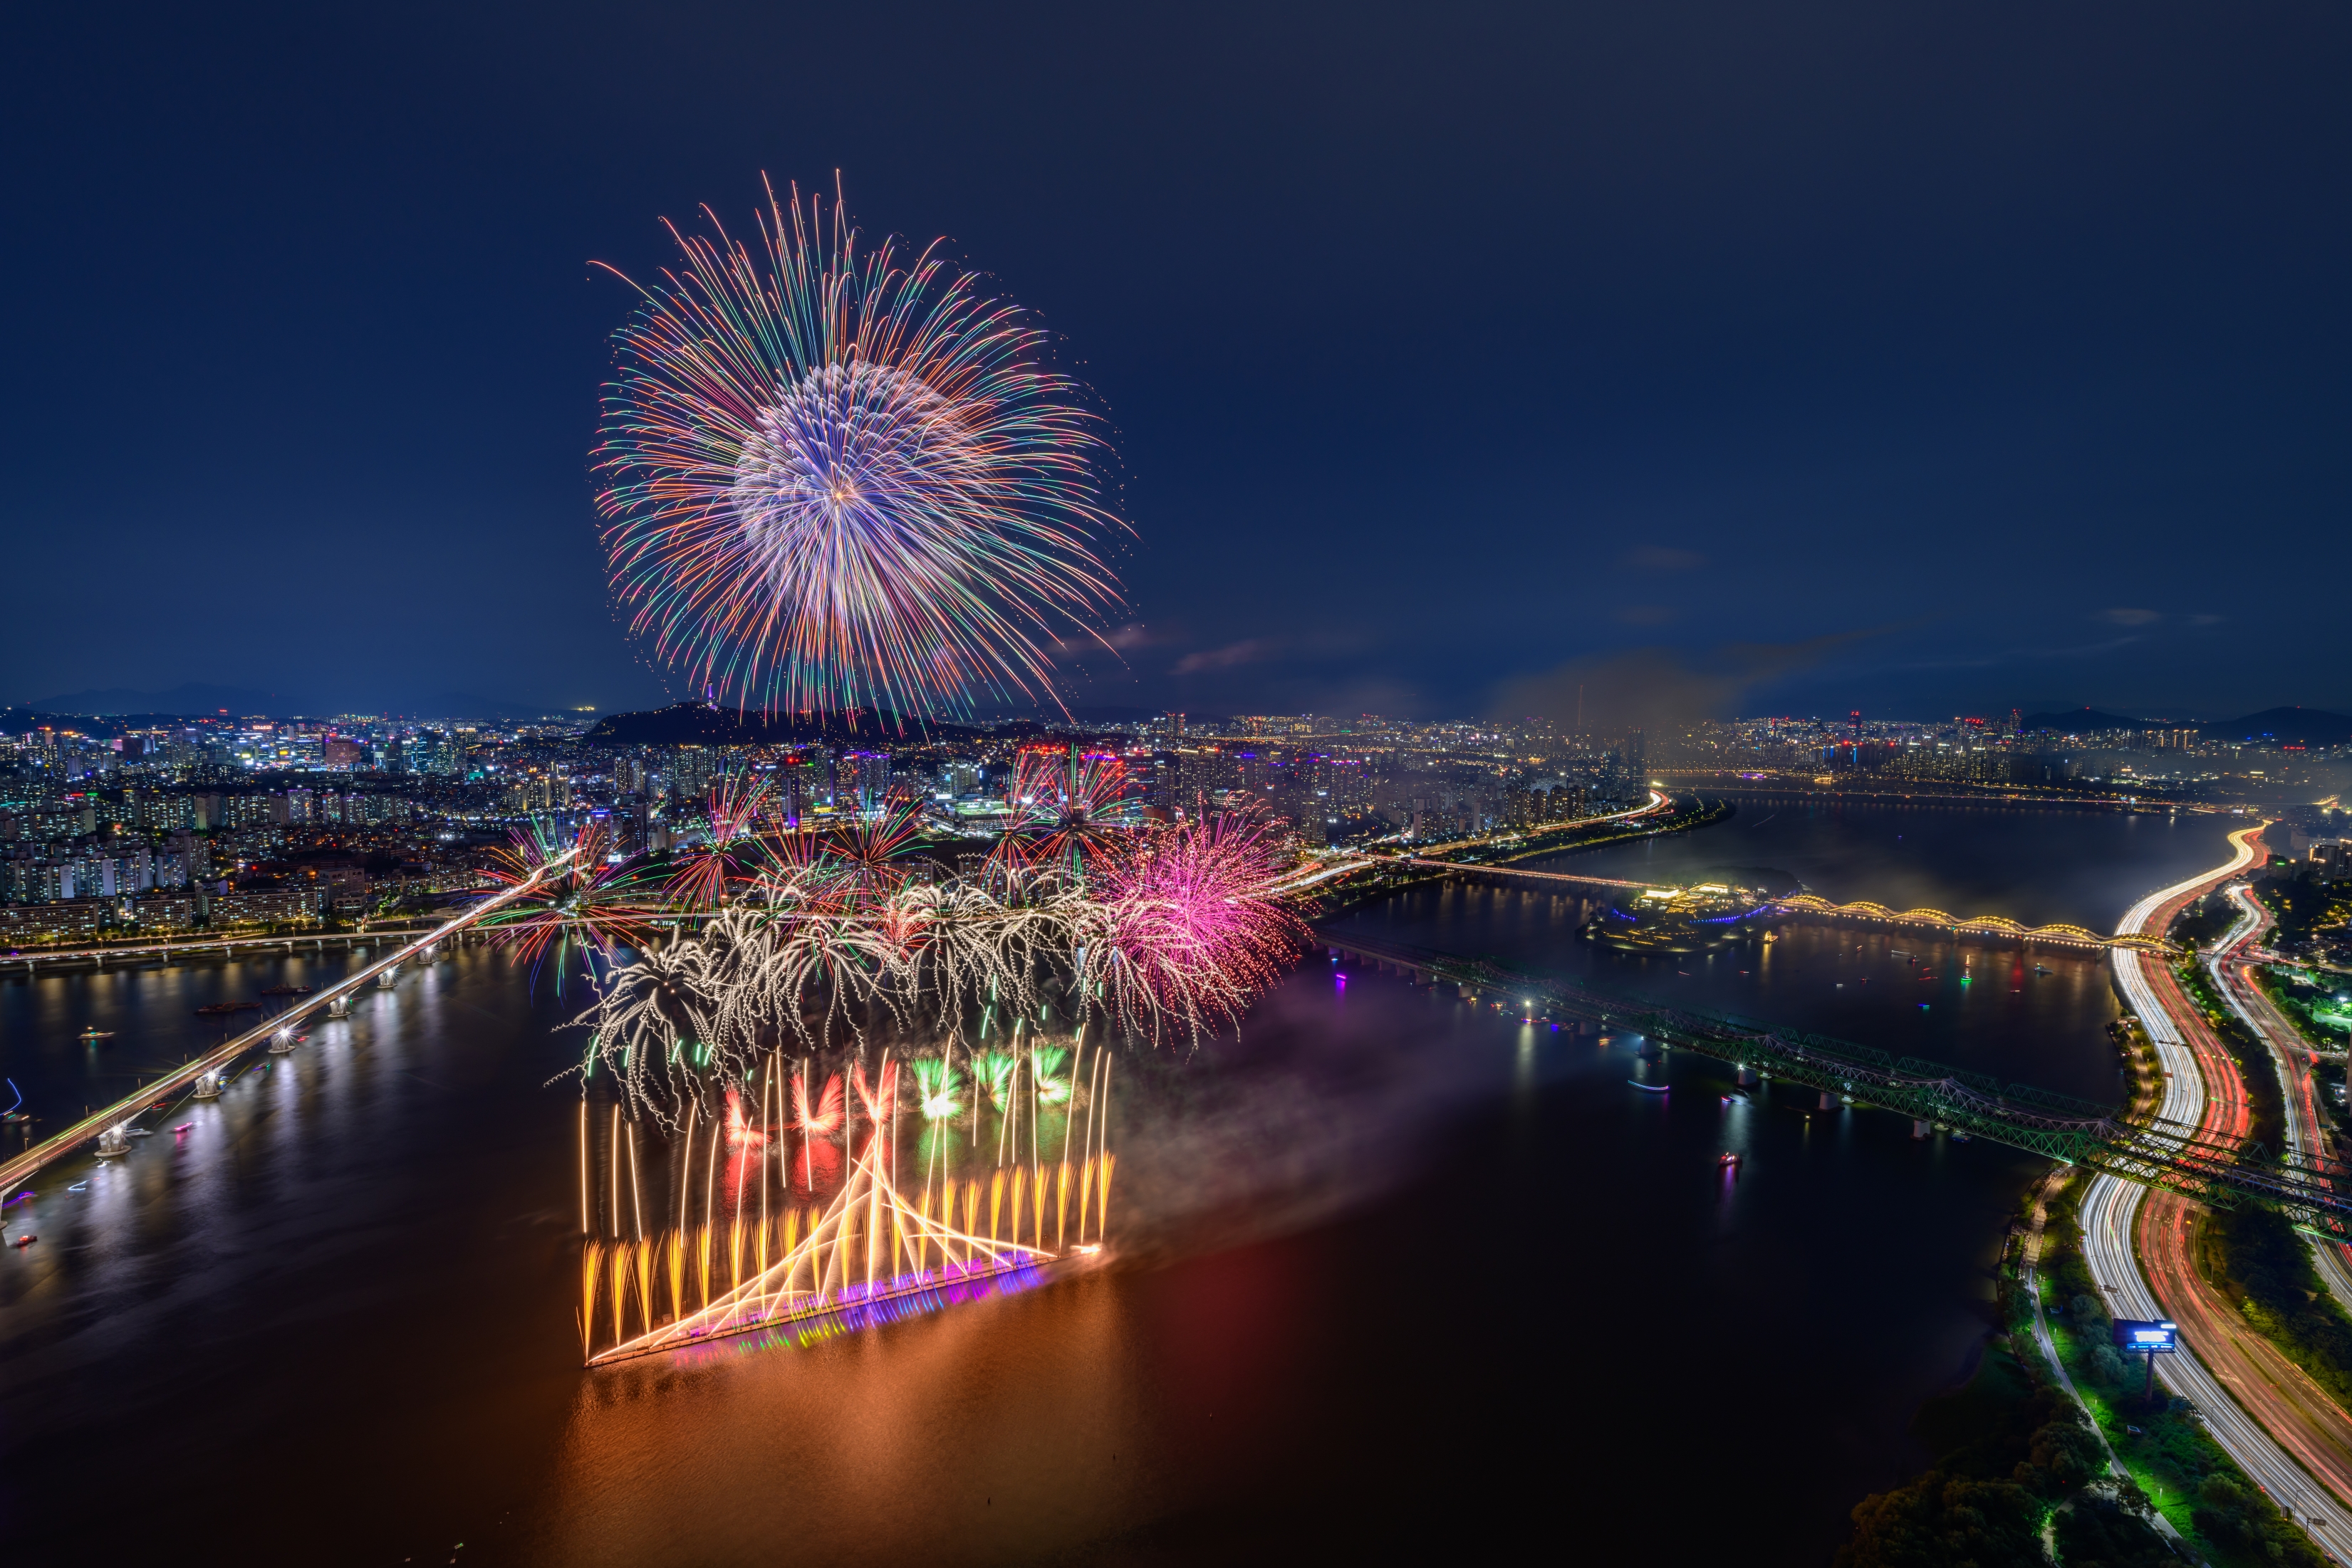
1928, 358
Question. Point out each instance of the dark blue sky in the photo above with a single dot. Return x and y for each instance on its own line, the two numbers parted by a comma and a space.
1925, 359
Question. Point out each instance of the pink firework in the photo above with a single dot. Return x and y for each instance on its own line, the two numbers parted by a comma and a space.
1194, 927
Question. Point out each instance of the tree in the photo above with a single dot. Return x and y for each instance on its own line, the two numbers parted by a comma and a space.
1940, 1521
2097, 1533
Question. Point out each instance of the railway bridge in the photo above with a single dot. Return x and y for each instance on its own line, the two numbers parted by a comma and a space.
2310, 1189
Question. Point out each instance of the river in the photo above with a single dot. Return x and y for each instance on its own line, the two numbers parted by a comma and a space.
1392, 1264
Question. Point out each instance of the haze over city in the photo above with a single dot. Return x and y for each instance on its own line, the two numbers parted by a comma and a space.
1253, 784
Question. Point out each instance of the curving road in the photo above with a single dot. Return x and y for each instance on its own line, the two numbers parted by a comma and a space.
2266, 1414
2306, 1130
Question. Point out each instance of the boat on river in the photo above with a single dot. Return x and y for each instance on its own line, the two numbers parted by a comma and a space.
222, 1010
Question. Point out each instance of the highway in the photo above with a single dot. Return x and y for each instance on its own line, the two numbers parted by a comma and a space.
123, 1111
2234, 980
2220, 1373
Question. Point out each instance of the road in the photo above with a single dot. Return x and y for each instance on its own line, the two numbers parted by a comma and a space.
2233, 979
169, 947
1314, 871
2261, 1410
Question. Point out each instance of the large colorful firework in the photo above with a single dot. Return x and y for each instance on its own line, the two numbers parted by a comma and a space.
835, 480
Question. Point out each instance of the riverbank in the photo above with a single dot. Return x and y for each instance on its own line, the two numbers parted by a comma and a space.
1383, 881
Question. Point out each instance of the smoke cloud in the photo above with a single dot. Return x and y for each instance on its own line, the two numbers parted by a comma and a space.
1654, 687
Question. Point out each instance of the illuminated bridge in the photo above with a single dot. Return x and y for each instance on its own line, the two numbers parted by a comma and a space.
108, 1117
2311, 1190
1972, 926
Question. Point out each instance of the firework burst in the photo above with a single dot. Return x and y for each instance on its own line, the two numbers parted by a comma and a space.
837, 480
591, 906
736, 802
1059, 800
1172, 930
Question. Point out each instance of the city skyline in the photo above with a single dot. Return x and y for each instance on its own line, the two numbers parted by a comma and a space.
1768, 427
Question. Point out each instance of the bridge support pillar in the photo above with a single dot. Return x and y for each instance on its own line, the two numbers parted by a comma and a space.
1829, 1101
340, 1007
384, 980
1921, 1129
1746, 1076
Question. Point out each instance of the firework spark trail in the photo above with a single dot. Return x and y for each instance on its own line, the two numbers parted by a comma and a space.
592, 904
734, 852
1174, 929
836, 482
1058, 800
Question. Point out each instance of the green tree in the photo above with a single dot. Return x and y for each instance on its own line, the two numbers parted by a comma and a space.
2097, 1533
1940, 1521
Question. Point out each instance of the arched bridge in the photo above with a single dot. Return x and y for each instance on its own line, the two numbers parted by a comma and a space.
1981, 925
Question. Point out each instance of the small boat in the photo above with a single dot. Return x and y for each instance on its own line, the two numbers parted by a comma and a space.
182, 1128
1729, 1159
1652, 1088
1735, 1098
95, 1035
222, 1010
24, 1241
285, 990
79, 1186
139, 1132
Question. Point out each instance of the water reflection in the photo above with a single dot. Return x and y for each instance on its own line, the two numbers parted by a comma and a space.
1396, 1260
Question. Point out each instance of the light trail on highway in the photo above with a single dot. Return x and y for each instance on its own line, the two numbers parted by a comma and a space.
2221, 1376
1331, 870
2234, 982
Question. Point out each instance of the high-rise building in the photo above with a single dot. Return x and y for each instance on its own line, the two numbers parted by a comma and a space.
861, 781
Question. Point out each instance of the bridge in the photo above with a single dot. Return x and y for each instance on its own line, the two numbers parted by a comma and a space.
163, 949
123, 1111
1439, 858
1515, 841
2172, 1155
1974, 924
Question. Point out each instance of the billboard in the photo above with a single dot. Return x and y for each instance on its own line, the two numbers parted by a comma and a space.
2133, 1336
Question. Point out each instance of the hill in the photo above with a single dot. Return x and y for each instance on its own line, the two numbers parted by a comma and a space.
2308, 725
